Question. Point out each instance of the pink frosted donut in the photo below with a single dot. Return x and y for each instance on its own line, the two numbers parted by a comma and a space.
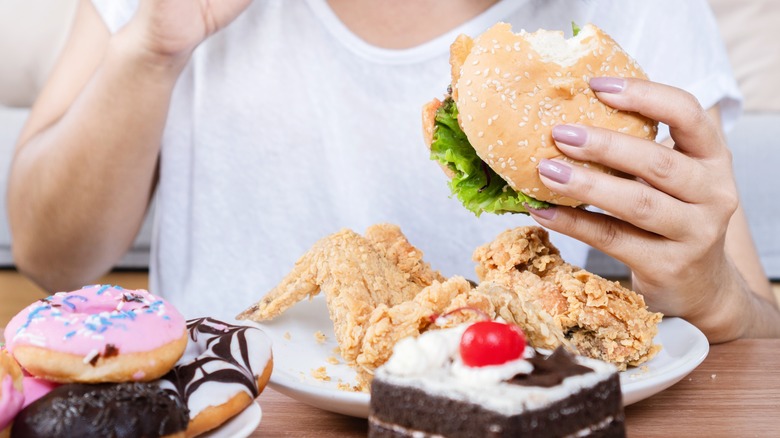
11, 394
35, 388
99, 333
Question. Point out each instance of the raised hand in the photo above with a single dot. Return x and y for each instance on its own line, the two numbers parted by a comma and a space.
173, 28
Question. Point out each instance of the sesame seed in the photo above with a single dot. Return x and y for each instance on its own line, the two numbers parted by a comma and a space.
533, 159
500, 143
480, 134
530, 56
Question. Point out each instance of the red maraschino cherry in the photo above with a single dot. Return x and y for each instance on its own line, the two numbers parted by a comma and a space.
491, 343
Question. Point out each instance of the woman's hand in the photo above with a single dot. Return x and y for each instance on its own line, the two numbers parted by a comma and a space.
669, 223
171, 29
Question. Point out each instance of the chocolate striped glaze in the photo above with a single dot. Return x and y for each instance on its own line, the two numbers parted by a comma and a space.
221, 359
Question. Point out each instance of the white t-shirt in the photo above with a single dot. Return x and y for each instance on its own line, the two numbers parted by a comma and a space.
285, 127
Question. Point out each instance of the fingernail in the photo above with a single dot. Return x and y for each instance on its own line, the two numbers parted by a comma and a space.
555, 170
544, 213
571, 135
608, 84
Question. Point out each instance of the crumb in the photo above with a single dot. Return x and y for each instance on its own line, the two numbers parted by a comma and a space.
336, 350
287, 336
347, 387
713, 376
644, 368
319, 337
332, 360
320, 374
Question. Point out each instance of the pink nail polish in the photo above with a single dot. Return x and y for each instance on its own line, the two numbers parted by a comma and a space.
555, 170
571, 135
608, 84
544, 213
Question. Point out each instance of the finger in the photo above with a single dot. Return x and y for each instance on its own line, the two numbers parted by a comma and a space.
690, 126
618, 239
661, 167
629, 200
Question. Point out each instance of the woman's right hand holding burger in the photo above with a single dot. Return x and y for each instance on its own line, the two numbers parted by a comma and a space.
669, 224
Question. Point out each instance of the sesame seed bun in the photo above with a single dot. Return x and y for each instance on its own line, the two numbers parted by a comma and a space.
512, 89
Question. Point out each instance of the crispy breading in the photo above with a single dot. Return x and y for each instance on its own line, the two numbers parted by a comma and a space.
389, 324
357, 274
560, 303
379, 290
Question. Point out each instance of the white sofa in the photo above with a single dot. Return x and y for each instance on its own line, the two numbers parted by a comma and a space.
32, 32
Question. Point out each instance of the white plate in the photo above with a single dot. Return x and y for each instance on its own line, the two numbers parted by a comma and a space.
298, 352
240, 426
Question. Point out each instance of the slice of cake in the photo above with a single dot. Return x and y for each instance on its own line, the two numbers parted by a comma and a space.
475, 381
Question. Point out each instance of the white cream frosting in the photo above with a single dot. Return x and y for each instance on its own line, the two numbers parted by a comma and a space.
431, 362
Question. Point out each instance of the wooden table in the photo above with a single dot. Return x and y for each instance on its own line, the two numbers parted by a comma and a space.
735, 392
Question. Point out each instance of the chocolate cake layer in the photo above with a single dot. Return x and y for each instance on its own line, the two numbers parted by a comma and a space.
598, 408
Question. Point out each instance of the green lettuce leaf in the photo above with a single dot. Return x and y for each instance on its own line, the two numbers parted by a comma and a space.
475, 184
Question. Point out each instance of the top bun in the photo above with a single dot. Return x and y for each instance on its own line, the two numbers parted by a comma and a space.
511, 89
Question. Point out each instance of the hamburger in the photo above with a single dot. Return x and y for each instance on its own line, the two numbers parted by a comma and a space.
508, 91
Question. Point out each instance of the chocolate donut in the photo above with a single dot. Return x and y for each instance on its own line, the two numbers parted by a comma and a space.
105, 410
224, 368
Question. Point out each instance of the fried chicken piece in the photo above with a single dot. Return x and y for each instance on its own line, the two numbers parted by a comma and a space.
556, 303
357, 274
389, 324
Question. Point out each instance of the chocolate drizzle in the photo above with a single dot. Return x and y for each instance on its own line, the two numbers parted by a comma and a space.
217, 363
105, 410
550, 370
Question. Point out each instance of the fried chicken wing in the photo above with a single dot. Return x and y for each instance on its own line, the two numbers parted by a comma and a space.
357, 274
556, 303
